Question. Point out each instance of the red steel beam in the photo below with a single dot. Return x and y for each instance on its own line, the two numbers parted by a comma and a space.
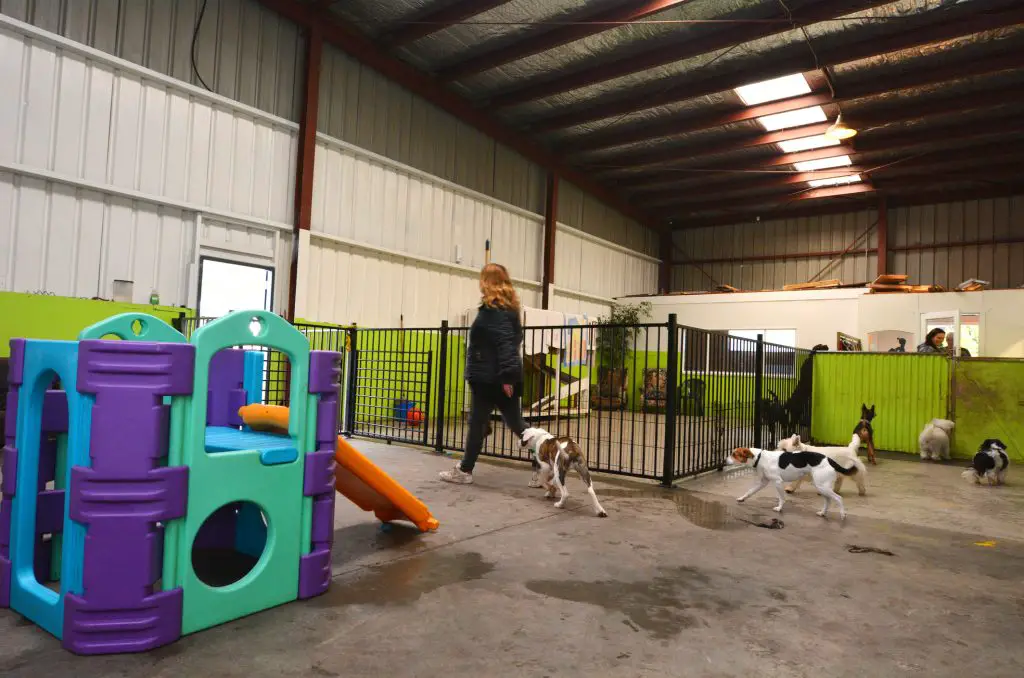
362, 49
437, 20
883, 236
926, 198
541, 40
912, 111
684, 49
1004, 124
305, 154
637, 100
994, 158
674, 126
550, 230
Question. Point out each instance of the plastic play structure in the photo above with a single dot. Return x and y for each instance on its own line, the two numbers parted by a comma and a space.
127, 489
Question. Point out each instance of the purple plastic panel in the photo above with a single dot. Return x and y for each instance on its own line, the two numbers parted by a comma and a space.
319, 473
124, 494
47, 460
324, 380
96, 629
55, 412
226, 388
16, 368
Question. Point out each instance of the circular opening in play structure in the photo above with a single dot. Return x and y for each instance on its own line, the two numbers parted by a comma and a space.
256, 326
138, 327
229, 544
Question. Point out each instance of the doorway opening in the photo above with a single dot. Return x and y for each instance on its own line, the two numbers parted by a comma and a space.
226, 286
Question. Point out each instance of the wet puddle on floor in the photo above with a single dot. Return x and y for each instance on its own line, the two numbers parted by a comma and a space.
403, 582
676, 600
706, 513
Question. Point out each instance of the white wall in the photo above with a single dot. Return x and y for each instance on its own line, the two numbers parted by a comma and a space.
107, 171
815, 317
818, 315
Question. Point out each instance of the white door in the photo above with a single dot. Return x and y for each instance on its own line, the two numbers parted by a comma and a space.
965, 328
226, 286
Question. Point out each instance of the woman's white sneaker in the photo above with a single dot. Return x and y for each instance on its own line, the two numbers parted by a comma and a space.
457, 476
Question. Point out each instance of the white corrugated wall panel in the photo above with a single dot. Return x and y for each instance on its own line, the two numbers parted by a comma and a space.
74, 242
344, 283
592, 266
129, 160
566, 303
244, 51
972, 221
86, 118
752, 256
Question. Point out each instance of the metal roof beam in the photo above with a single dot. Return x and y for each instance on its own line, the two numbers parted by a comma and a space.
684, 49
661, 94
354, 43
542, 39
436, 20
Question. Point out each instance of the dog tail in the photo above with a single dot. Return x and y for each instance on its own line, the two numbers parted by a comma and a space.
840, 468
970, 474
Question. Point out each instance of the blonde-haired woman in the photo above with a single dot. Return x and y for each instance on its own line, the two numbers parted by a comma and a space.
494, 367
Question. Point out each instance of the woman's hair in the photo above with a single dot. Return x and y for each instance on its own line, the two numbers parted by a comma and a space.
930, 338
496, 286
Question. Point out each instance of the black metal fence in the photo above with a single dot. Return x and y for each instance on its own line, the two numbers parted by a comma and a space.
655, 400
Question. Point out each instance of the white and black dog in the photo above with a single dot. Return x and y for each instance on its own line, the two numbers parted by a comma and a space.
934, 439
778, 467
554, 456
845, 456
989, 463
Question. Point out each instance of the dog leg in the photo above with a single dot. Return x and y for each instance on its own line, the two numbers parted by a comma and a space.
795, 485
581, 468
839, 484
779, 490
563, 491
761, 484
831, 496
862, 487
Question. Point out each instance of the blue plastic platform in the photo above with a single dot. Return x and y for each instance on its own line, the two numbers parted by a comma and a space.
274, 448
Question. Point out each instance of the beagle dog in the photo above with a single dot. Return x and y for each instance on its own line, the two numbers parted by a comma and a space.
778, 467
553, 457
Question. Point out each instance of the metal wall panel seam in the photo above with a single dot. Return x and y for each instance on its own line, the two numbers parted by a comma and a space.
605, 243
22, 29
427, 176
376, 249
106, 189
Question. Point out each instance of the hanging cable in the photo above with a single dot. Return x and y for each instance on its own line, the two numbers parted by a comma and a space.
195, 35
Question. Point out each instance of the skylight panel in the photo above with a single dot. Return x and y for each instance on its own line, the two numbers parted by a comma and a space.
823, 163
801, 116
773, 90
835, 181
807, 143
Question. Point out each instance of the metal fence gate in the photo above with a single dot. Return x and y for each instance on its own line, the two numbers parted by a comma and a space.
656, 400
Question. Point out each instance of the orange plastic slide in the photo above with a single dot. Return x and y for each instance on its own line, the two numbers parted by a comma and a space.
371, 489
355, 476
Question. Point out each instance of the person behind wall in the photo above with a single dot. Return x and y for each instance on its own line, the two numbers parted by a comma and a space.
494, 367
933, 342
951, 347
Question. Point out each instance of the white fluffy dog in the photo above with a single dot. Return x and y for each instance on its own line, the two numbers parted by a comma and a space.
934, 439
845, 456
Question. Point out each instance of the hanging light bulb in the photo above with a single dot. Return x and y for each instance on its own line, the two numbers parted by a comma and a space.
840, 130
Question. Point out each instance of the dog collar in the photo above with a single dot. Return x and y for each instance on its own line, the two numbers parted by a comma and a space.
757, 459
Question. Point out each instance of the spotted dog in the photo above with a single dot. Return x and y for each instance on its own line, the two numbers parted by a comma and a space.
553, 458
779, 467
989, 463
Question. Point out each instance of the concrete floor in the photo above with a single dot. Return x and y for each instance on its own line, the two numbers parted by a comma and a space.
672, 583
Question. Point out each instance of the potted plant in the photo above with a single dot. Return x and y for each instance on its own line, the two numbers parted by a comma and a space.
615, 337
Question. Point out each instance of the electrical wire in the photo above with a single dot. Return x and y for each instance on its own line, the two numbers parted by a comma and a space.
195, 35
810, 46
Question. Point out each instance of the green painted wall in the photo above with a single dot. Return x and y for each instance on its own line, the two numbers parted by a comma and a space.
908, 391
33, 316
989, 404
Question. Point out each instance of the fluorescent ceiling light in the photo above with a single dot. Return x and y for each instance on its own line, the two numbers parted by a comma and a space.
834, 181
773, 90
801, 116
823, 163
807, 143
